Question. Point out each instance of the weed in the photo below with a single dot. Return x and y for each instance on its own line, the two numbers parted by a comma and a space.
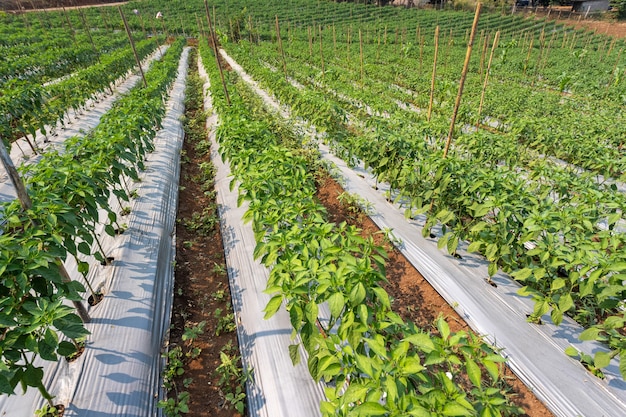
202, 223
232, 380
219, 295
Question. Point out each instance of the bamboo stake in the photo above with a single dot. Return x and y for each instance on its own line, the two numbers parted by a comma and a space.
250, 31
23, 14
619, 54
143, 26
349, 40
132, 45
182, 24
69, 24
432, 82
530, 48
88, 30
421, 52
27, 204
280, 48
482, 95
322, 51
483, 54
334, 40
462, 81
310, 42
608, 53
361, 58
216, 51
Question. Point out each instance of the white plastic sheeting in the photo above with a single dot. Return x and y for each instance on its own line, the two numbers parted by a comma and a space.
118, 375
535, 352
278, 388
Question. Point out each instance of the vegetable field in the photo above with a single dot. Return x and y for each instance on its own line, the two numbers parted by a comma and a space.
490, 145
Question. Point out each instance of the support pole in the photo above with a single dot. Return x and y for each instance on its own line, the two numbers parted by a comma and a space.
281, 50
468, 55
132, 45
216, 52
432, 82
361, 58
321, 51
482, 95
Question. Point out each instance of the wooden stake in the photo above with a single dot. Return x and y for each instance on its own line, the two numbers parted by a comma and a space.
310, 42
530, 48
216, 51
468, 55
432, 82
132, 45
361, 58
349, 40
611, 47
88, 30
27, 204
69, 25
619, 54
482, 95
483, 54
280, 48
421, 52
322, 51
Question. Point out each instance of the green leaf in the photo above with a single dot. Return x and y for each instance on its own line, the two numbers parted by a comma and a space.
602, 359
591, 333
311, 311
272, 306
455, 409
443, 327
294, 354
474, 246
32, 376
369, 409
66, 348
336, 302
492, 269
377, 346
473, 371
110, 230
453, 243
5, 386
557, 284
357, 295
84, 248
355, 392
48, 345
422, 341
556, 315
522, 274
571, 351
443, 241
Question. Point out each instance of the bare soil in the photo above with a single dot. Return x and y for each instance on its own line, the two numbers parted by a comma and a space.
201, 292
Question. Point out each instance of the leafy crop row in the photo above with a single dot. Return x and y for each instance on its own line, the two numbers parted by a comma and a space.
553, 230
373, 362
67, 188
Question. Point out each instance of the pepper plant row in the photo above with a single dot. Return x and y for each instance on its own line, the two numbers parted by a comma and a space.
26, 107
373, 362
499, 199
67, 188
